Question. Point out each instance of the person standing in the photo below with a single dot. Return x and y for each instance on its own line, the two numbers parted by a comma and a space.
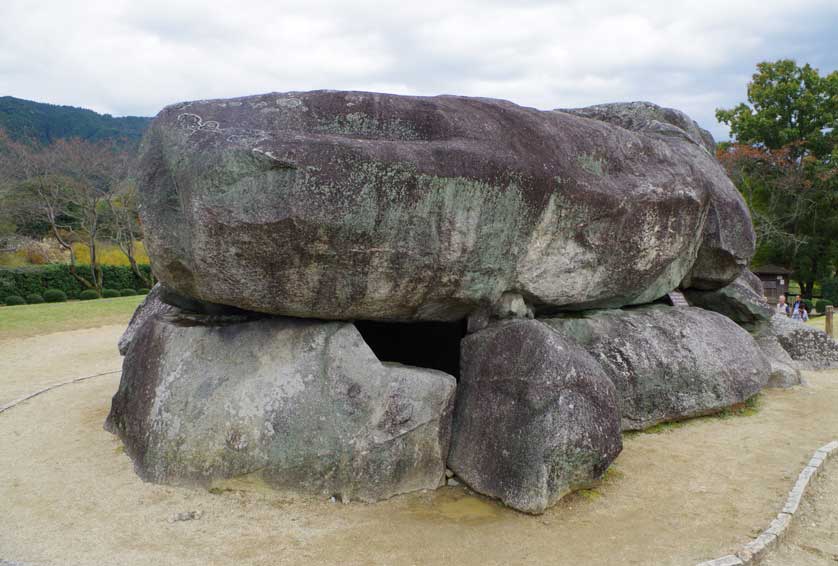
782, 307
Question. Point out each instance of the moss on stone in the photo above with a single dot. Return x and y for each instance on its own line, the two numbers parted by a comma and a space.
360, 124
593, 164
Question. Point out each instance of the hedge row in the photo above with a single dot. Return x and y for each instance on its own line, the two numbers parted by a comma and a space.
35, 280
58, 296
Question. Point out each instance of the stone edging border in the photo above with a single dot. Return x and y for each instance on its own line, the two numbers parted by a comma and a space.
18, 401
756, 550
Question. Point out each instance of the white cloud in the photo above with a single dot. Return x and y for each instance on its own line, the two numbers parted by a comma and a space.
133, 57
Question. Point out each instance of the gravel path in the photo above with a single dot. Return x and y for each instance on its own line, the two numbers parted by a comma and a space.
69, 494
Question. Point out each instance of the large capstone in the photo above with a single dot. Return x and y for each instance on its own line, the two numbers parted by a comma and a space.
729, 240
535, 418
670, 363
306, 405
352, 205
650, 118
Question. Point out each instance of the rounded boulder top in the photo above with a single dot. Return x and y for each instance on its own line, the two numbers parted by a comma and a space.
354, 205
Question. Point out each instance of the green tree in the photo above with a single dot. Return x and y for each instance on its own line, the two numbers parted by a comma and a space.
42, 124
784, 160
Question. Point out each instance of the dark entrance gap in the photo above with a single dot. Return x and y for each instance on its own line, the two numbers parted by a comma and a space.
434, 345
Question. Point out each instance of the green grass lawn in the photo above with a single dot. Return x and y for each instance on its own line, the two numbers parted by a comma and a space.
30, 320
817, 322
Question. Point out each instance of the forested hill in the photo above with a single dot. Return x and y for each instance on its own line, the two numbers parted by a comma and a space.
45, 123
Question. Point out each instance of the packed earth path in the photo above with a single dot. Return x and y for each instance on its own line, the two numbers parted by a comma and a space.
679, 496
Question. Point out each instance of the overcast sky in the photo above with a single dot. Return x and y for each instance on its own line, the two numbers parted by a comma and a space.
132, 57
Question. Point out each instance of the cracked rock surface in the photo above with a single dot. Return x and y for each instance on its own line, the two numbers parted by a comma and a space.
306, 405
670, 363
357, 205
535, 419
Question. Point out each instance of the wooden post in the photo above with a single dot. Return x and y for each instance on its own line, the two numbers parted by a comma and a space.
828, 324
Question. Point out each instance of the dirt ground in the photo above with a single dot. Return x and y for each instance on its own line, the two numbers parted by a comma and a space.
813, 538
29, 364
68, 493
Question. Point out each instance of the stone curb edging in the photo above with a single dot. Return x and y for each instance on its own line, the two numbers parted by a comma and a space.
756, 550
18, 401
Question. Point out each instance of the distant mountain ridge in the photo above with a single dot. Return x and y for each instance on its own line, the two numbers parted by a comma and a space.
45, 123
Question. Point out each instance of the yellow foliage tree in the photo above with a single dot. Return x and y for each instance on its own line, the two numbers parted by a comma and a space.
110, 254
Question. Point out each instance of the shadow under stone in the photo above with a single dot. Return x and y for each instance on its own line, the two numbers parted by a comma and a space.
434, 345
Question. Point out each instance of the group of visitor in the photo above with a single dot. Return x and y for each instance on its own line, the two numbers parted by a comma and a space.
797, 311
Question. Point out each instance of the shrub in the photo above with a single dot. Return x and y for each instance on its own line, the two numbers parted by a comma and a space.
127, 292
24, 281
820, 305
34, 299
14, 300
88, 294
55, 296
143, 291
109, 293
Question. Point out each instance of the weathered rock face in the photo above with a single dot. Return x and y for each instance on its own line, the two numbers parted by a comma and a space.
151, 307
738, 301
729, 239
350, 205
379, 208
650, 118
535, 416
743, 301
809, 347
304, 404
784, 370
670, 363
753, 281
